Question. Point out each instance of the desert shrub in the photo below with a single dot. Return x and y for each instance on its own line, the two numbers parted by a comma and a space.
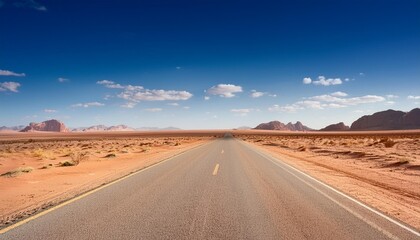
302, 148
111, 155
17, 172
389, 143
39, 153
77, 157
67, 164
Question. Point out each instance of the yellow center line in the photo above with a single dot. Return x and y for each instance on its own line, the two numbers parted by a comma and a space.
215, 170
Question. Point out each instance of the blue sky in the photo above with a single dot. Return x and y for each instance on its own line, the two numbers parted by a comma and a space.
206, 64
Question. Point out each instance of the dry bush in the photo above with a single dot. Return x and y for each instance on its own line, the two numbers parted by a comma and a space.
17, 172
388, 142
76, 158
111, 155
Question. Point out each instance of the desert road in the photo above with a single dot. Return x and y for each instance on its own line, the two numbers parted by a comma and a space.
225, 189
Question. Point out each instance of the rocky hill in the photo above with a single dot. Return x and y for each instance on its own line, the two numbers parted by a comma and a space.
388, 120
336, 127
47, 126
276, 125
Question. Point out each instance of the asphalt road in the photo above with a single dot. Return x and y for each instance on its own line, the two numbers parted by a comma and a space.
225, 189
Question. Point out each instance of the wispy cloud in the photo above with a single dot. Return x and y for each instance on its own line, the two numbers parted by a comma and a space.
323, 81
87, 105
50, 110
391, 96
10, 73
224, 90
173, 104
129, 105
411, 97
339, 94
139, 93
334, 100
206, 98
242, 111
63, 80
257, 94
154, 109
9, 86
30, 4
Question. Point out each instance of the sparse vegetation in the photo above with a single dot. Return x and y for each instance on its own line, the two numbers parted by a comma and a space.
111, 155
17, 172
389, 143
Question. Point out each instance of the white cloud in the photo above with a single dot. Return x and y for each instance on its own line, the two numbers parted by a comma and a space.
63, 80
224, 90
327, 101
9, 86
173, 104
206, 98
256, 94
339, 94
327, 81
138, 93
129, 105
186, 107
50, 110
307, 80
413, 97
89, 104
154, 109
10, 73
361, 74
389, 102
110, 84
323, 81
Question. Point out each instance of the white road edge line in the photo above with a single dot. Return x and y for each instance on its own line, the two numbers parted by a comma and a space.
275, 161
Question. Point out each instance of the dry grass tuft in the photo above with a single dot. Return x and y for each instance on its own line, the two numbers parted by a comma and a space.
17, 172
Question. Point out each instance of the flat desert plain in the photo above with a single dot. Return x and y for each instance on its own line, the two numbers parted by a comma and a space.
40, 170
380, 168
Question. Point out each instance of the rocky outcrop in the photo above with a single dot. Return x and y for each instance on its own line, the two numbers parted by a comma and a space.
47, 126
336, 127
276, 125
388, 120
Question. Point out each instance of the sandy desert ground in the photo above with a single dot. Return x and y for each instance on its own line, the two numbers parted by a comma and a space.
380, 168
39, 170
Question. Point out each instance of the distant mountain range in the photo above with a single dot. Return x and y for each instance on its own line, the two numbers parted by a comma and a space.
385, 120
12, 129
57, 126
97, 128
276, 125
336, 127
388, 120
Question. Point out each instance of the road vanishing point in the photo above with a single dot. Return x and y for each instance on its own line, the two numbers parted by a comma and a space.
224, 189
